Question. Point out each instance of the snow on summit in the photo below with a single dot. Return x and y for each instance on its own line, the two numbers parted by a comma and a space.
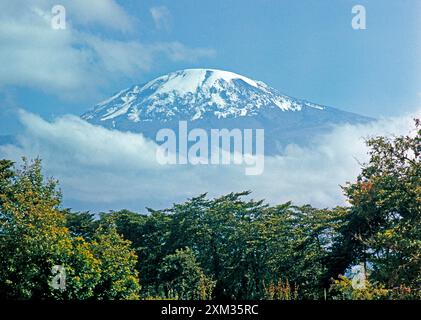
209, 98
193, 94
192, 80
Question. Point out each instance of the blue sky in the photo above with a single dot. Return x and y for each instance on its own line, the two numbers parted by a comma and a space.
305, 49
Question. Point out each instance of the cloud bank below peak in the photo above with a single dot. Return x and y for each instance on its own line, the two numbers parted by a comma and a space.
101, 169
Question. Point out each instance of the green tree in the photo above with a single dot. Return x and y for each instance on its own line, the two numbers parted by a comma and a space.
383, 228
34, 238
81, 224
33, 233
119, 277
182, 277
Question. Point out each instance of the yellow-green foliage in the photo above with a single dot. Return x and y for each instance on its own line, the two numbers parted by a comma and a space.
281, 291
228, 247
34, 238
342, 289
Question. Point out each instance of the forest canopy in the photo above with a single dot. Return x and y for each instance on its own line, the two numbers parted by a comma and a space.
232, 247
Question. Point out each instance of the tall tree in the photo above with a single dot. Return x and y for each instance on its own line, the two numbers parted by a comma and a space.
119, 277
182, 277
35, 243
384, 223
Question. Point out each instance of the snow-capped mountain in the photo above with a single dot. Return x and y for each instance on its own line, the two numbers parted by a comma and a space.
208, 98
191, 95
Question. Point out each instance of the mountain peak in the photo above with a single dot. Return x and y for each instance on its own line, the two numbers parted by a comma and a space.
191, 80
209, 98
193, 94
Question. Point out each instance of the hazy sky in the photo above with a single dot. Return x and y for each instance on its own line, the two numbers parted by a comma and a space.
306, 49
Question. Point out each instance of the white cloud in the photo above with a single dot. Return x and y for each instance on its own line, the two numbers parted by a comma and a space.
176, 51
131, 56
108, 169
83, 57
106, 13
103, 13
161, 17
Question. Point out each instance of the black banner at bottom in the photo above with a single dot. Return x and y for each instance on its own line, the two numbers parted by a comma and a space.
170, 309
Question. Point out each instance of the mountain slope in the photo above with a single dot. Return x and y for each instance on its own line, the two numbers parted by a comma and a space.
208, 98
